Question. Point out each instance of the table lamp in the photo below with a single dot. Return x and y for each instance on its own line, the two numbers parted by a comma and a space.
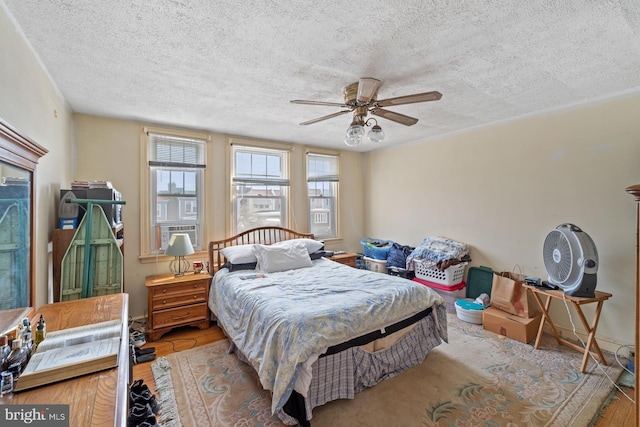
179, 246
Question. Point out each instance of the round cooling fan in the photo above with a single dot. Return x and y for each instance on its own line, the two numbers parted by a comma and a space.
571, 260
557, 256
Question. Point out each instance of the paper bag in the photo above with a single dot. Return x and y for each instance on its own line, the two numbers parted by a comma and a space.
508, 294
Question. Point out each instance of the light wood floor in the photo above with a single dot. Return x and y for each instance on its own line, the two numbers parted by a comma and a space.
620, 413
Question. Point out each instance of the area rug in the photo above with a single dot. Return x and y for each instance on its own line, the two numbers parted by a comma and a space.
478, 379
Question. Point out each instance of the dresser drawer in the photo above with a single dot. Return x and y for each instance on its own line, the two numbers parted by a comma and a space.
351, 262
180, 316
170, 300
173, 289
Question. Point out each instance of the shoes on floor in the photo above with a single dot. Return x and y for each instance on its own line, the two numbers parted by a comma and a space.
136, 337
139, 394
138, 414
149, 422
139, 355
140, 351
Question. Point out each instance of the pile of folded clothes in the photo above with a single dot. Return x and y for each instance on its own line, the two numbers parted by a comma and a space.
439, 252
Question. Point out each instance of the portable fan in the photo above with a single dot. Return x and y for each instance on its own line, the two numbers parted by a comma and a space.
571, 260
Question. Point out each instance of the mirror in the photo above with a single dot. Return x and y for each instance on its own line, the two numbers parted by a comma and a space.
18, 158
15, 237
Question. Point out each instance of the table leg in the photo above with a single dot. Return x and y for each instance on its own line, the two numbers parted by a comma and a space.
545, 319
591, 337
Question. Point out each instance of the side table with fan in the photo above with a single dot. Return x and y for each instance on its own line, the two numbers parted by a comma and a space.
571, 261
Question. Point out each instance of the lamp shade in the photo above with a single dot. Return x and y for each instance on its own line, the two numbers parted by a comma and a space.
179, 245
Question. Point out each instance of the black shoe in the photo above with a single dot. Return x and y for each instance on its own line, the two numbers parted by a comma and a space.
139, 413
149, 422
141, 358
140, 394
141, 351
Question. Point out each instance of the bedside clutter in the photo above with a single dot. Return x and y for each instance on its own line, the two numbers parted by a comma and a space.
523, 329
450, 293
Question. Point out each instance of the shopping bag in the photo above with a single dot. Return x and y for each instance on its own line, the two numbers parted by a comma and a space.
509, 294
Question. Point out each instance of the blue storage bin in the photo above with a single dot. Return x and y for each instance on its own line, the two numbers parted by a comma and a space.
376, 248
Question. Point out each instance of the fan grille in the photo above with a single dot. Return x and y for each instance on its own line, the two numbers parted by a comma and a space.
557, 256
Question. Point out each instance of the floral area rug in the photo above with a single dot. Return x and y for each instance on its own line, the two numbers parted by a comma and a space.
478, 379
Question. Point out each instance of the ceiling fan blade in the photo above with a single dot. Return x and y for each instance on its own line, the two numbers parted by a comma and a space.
328, 104
394, 117
410, 99
330, 116
367, 89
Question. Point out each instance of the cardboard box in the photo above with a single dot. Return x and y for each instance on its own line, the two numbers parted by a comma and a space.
518, 328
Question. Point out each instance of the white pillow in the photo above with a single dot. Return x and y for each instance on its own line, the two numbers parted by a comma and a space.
241, 254
281, 258
310, 244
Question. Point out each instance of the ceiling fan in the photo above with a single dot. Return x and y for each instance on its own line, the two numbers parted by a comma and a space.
361, 99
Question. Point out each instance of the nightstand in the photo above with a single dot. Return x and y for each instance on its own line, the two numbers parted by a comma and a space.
346, 259
176, 301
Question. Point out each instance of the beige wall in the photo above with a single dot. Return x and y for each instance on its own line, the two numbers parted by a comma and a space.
501, 189
108, 149
32, 104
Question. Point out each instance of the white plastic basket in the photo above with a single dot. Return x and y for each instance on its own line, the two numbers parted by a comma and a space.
449, 277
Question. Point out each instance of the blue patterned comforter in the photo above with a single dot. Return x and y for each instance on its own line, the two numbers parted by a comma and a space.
284, 319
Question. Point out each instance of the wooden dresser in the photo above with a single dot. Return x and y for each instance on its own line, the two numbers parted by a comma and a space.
346, 259
176, 301
98, 399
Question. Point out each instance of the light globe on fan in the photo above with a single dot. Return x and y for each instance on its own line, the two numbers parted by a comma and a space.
571, 260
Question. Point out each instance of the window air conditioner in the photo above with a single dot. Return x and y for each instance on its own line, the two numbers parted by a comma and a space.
166, 231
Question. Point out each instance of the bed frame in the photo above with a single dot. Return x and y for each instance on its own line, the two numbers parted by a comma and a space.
261, 235
297, 410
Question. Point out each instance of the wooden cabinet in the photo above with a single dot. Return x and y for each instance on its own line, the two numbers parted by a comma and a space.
634, 190
346, 259
96, 399
176, 301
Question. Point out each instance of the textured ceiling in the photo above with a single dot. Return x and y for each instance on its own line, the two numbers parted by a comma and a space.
232, 67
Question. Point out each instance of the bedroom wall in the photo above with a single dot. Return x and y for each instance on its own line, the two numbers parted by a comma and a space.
32, 104
108, 149
502, 188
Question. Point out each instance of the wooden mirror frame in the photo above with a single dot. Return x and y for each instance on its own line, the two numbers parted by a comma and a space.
19, 150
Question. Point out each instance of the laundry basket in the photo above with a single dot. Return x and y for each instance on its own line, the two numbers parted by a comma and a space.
376, 248
451, 276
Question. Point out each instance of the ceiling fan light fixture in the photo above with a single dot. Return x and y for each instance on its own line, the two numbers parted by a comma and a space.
355, 132
361, 98
353, 141
376, 134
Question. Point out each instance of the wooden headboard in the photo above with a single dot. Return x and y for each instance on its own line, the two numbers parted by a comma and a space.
261, 235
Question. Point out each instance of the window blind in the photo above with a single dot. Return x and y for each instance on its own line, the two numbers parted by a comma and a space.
176, 152
322, 168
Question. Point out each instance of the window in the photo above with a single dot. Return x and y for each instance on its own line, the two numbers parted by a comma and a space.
176, 168
260, 187
322, 188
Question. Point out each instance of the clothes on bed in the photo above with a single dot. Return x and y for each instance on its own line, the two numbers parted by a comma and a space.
287, 319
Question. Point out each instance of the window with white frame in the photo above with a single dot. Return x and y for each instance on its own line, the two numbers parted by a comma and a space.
323, 176
176, 189
260, 187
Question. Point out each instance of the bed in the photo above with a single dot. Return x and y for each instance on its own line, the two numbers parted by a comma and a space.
313, 329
